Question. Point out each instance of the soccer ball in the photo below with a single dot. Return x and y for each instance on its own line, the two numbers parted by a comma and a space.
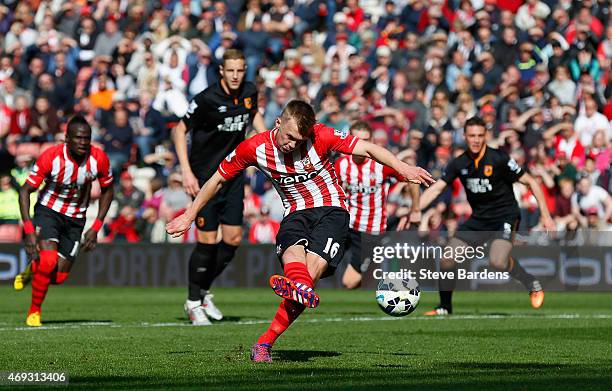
398, 297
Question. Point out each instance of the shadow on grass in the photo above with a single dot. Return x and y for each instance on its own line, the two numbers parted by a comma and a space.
301, 355
287, 376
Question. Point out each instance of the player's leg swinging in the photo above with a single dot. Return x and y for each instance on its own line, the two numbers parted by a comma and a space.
301, 267
50, 268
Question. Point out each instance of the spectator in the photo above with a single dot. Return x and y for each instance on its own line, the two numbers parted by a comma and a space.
173, 198
589, 122
126, 194
45, 122
148, 125
9, 201
255, 41
108, 40
118, 140
123, 228
591, 199
265, 229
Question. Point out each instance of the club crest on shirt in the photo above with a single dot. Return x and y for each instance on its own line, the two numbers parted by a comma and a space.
248, 102
488, 170
307, 165
200, 222
340, 133
222, 109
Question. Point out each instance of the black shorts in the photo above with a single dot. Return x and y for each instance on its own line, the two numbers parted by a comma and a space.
353, 249
322, 231
226, 207
56, 227
477, 231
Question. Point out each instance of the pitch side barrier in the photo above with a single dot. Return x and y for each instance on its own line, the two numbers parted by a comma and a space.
568, 266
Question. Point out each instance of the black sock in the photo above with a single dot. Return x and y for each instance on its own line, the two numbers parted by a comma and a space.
446, 300
225, 254
201, 264
447, 286
518, 273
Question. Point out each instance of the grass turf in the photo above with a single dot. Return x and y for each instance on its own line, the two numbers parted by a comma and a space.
140, 340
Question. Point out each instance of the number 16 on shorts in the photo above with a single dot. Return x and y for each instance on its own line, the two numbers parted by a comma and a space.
331, 247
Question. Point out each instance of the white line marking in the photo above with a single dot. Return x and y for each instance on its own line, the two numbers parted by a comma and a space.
315, 320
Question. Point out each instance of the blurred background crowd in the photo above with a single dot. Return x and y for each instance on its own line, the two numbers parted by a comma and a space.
536, 71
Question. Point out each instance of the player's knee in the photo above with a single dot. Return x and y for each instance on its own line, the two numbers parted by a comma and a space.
47, 261
351, 283
499, 263
207, 237
233, 240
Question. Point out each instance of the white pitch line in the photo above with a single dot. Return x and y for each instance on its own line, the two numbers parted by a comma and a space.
315, 320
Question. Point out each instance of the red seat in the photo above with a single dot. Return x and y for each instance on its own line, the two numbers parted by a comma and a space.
10, 233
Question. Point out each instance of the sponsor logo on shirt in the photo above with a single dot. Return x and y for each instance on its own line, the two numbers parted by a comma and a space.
297, 178
478, 185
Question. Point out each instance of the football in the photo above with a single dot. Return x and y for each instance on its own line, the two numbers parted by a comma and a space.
398, 297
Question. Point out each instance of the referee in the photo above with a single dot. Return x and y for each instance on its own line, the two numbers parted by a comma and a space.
218, 119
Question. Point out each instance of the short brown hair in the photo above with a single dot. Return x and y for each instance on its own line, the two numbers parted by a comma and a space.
474, 121
232, 54
361, 125
303, 114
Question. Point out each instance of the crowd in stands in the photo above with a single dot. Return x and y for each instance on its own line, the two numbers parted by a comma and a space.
536, 71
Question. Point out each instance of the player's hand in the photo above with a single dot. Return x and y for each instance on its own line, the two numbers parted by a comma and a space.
179, 225
416, 174
190, 183
90, 241
31, 246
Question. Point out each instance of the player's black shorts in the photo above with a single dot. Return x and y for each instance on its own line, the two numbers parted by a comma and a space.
226, 207
65, 231
353, 247
322, 231
477, 231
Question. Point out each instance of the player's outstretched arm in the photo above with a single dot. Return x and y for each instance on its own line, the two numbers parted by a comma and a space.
412, 174
182, 223
31, 240
91, 236
545, 220
431, 194
190, 182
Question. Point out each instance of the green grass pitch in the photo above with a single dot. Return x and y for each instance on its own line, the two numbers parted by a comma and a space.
138, 338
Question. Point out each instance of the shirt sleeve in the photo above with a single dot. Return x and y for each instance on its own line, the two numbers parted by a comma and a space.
239, 159
41, 169
511, 170
194, 112
450, 172
391, 175
336, 140
105, 175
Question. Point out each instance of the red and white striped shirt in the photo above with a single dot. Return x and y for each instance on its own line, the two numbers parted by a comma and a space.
304, 178
68, 184
367, 185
